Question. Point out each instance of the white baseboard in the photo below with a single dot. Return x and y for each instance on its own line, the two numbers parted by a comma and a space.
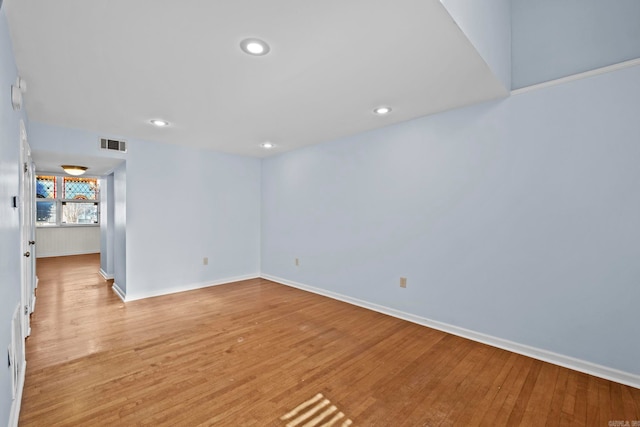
14, 415
119, 292
590, 368
36, 286
33, 303
190, 287
105, 275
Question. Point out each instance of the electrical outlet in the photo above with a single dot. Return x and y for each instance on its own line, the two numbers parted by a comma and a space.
297, 262
205, 261
403, 282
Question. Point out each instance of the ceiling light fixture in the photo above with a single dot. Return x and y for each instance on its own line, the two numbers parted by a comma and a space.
267, 145
74, 170
255, 47
381, 111
159, 123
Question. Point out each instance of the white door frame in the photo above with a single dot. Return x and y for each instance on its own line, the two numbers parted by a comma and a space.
32, 226
27, 231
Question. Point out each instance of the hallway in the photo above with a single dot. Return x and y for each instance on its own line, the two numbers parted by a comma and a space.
73, 305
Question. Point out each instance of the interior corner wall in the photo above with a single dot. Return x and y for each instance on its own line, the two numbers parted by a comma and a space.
518, 219
487, 25
10, 258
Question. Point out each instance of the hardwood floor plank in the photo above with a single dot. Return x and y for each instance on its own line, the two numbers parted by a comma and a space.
541, 396
501, 407
558, 398
244, 354
490, 382
521, 403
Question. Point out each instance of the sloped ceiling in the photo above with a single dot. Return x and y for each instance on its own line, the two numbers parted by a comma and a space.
111, 66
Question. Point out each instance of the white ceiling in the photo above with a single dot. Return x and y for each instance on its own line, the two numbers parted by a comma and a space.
112, 65
51, 162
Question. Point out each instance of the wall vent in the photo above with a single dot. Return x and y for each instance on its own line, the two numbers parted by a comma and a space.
113, 145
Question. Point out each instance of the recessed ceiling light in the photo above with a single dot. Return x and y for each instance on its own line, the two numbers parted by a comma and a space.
159, 123
267, 145
381, 111
255, 47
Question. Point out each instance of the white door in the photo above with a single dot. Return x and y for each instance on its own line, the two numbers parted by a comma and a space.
27, 227
32, 241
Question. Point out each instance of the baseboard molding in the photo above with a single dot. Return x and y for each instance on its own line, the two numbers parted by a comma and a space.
536, 353
189, 287
33, 303
14, 415
105, 275
119, 292
578, 76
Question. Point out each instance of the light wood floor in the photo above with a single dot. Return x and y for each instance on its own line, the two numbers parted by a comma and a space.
244, 354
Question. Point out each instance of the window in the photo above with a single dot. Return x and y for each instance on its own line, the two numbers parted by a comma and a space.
79, 213
80, 188
73, 210
66, 200
46, 188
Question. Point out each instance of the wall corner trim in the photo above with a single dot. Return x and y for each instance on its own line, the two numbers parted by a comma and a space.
105, 275
579, 365
119, 292
578, 76
14, 416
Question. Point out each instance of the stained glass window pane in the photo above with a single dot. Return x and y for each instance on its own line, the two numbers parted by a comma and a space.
45, 187
45, 213
80, 188
79, 213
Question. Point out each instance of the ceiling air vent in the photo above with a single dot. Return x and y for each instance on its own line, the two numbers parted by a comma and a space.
112, 144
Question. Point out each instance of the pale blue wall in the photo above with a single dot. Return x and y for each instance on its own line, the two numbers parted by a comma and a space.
553, 39
487, 25
9, 217
518, 219
182, 204
120, 250
106, 224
